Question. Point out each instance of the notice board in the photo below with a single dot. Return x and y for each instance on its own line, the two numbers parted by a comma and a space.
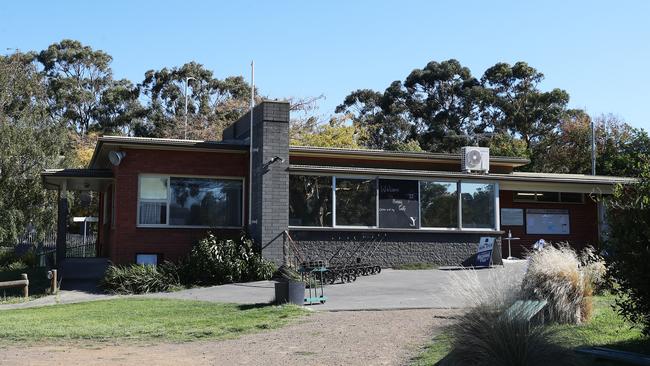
512, 216
398, 204
552, 222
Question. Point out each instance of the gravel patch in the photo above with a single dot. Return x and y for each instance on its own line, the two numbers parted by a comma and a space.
389, 337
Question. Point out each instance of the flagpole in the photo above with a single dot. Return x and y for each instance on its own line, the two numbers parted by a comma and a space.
250, 151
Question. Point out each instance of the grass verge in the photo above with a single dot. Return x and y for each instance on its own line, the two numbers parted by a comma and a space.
415, 266
141, 320
606, 329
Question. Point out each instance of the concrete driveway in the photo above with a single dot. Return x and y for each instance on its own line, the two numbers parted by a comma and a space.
446, 288
391, 289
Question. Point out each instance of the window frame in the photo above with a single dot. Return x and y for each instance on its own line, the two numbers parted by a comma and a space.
358, 177
497, 209
376, 227
458, 205
333, 197
167, 225
535, 195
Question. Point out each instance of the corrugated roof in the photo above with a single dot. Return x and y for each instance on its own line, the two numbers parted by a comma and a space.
78, 173
240, 145
173, 142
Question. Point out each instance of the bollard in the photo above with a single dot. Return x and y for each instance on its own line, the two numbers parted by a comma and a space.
52, 275
26, 286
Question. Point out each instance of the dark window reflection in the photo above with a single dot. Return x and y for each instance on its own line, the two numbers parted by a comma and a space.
356, 202
439, 204
205, 202
310, 200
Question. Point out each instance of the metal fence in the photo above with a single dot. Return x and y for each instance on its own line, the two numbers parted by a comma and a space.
76, 245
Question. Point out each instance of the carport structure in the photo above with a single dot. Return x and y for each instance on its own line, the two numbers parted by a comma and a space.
64, 180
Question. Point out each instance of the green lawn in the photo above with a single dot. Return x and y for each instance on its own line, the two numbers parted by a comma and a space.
606, 329
141, 320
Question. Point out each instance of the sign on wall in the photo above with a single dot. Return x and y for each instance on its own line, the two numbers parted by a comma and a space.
484, 253
540, 221
512, 216
398, 204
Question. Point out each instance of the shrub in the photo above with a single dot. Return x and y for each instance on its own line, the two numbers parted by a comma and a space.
628, 249
39, 284
139, 279
486, 336
10, 261
214, 261
554, 275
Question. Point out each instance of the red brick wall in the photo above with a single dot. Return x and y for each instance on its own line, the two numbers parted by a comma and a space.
583, 224
126, 239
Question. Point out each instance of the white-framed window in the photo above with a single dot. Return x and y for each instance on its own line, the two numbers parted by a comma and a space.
182, 201
393, 203
439, 207
356, 201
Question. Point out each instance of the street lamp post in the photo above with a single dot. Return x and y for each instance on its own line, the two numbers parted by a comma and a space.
187, 80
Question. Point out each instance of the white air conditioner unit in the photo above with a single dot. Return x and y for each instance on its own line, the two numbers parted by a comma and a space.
475, 159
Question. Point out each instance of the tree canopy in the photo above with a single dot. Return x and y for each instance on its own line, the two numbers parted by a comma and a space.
54, 103
31, 141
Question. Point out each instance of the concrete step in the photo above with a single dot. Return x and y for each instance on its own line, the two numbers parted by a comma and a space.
91, 269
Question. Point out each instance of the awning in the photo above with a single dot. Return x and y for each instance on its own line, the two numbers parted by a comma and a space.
542, 182
77, 179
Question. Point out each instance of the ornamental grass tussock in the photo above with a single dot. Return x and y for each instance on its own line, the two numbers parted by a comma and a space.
489, 335
555, 274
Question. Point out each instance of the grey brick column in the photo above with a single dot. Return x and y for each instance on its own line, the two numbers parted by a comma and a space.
270, 181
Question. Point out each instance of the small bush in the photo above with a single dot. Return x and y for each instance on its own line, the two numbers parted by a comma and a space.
554, 275
139, 279
214, 261
9, 260
628, 249
484, 336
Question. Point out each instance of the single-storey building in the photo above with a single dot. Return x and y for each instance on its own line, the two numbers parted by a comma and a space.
159, 196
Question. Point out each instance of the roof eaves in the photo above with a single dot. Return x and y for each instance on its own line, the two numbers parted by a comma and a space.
162, 142
518, 161
557, 178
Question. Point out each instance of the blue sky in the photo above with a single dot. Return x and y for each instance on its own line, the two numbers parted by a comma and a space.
599, 51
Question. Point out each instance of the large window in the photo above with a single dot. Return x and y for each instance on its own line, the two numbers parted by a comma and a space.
356, 202
310, 200
391, 203
439, 204
180, 201
477, 205
398, 204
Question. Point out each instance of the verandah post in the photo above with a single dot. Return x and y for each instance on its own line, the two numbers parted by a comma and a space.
62, 220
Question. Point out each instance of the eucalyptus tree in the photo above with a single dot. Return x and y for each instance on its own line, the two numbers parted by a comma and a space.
511, 102
212, 105
31, 141
81, 90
